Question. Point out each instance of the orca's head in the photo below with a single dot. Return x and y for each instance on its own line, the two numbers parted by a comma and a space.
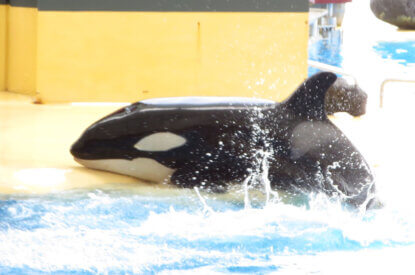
118, 143
108, 138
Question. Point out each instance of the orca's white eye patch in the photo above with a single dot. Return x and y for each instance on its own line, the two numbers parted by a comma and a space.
160, 142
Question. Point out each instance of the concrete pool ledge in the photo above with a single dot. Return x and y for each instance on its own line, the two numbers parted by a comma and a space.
34, 146
35, 141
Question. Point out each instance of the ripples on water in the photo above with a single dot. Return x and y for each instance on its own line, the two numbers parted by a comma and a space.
115, 231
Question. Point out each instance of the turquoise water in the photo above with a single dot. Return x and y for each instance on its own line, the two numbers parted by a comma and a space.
327, 51
403, 52
87, 232
141, 232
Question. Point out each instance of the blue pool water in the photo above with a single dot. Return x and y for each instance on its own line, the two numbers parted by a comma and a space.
87, 232
329, 51
403, 52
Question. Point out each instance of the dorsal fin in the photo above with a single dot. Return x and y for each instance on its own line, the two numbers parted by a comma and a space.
308, 100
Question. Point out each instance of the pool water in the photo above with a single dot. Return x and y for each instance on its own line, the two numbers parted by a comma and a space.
125, 231
403, 51
329, 51
116, 231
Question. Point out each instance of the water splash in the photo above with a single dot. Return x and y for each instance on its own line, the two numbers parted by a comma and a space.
112, 231
258, 180
206, 207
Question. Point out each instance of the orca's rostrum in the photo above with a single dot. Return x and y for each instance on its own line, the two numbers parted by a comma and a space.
212, 142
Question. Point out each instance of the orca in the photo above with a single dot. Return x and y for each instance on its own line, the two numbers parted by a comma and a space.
346, 97
210, 142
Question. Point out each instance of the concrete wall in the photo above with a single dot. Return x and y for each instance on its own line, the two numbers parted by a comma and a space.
126, 50
3, 35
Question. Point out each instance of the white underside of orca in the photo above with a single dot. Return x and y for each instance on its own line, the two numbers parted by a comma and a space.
142, 168
159, 142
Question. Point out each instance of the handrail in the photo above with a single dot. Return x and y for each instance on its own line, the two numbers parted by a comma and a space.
382, 87
337, 70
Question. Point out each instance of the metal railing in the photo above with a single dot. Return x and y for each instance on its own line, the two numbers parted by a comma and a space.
388, 80
337, 70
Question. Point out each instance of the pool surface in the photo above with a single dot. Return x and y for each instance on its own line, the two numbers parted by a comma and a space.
329, 51
87, 232
403, 52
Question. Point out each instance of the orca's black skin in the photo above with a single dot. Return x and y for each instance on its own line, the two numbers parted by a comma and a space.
307, 151
345, 97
